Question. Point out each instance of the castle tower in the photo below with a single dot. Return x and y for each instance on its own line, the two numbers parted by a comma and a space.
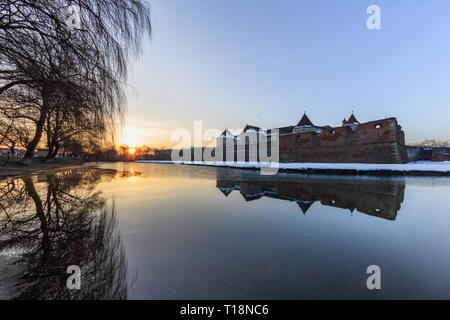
225, 146
305, 122
305, 125
352, 120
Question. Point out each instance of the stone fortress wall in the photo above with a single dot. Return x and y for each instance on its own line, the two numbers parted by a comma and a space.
380, 141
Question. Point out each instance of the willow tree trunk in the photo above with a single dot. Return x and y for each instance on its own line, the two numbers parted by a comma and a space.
31, 146
46, 243
53, 150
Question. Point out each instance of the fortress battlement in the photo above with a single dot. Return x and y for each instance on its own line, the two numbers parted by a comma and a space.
379, 141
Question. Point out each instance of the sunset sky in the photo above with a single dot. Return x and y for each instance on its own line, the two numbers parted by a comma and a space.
261, 62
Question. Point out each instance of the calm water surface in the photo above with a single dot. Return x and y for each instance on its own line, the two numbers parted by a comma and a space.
155, 231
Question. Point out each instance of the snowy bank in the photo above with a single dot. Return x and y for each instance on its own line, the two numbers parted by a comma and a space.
412, 168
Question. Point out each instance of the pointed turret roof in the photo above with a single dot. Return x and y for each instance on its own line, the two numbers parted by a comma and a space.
249, 127
250, 196
226, 191
352, 119
304, 205
226, 134
304, 122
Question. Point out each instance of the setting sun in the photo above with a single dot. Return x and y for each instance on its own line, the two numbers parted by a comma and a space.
131, 151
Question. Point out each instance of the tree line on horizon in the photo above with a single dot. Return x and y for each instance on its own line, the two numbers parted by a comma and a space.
432, 143
64, 87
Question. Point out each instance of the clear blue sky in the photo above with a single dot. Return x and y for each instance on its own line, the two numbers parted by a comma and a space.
264, 62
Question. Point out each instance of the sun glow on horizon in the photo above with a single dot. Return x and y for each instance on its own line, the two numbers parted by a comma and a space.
131, 136
131, 151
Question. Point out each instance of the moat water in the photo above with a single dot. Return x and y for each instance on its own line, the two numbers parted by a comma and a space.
156, 231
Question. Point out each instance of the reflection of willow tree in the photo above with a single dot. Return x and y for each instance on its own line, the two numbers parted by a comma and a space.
61, 223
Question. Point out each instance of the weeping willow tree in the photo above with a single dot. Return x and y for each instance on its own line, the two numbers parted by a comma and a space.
44, 56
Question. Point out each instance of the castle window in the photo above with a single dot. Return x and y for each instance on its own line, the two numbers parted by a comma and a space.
378, 126
333, 131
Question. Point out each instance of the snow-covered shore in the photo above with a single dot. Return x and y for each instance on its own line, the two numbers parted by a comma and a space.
420, 167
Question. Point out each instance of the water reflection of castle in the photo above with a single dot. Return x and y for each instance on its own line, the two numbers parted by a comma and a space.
377, 197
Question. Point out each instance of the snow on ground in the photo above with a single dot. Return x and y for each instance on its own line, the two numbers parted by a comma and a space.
412, 166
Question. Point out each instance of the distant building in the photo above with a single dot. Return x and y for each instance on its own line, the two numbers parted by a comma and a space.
42, 153
165, 154
418, 153
380, 141
17, 152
